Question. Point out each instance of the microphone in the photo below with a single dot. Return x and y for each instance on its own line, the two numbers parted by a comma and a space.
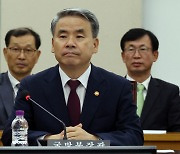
25, 94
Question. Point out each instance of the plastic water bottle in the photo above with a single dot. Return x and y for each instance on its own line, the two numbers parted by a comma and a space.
19, 130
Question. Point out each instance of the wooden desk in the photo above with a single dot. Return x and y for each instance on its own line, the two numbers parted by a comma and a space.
163, 141
0, 137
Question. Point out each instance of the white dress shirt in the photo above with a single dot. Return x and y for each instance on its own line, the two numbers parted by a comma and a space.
81, 89
14, 83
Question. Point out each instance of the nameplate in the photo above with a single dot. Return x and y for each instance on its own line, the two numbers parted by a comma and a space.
78, 143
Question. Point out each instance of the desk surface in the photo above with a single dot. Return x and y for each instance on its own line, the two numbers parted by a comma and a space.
170, 140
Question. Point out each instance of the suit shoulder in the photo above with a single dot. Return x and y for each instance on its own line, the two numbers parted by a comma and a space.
165, 83
41, 74
107, 75
4, 77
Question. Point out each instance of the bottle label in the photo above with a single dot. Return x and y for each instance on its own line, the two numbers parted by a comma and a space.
19, 137
19, 143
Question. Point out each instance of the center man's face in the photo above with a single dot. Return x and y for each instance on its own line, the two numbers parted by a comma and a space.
73, 43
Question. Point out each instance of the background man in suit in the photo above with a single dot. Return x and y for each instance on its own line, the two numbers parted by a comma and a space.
161, 109
106, 107
21, 54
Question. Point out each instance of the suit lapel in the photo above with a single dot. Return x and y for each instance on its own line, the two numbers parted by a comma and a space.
94, 93
6, 92
55, 95
152, 94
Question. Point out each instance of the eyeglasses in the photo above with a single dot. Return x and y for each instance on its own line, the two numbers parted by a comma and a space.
27, 51
132, 50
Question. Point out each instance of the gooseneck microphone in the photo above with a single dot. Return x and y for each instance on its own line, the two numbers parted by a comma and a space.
25, 94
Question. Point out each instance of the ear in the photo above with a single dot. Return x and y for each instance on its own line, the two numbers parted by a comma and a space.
123, 56
5, 53
155, 54
96, 45
37, 55
52, 49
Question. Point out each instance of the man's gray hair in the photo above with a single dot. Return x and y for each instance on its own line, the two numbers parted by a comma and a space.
86, 14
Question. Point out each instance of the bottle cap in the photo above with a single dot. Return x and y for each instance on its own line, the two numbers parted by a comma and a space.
20, 112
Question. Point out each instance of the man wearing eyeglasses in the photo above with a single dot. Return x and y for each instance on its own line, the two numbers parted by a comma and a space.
159, 106
21, 54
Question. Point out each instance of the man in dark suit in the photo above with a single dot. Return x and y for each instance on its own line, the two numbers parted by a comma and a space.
161, 108
106, 108
20, 65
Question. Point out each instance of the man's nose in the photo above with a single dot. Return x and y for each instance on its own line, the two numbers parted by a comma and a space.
136, 53
71, 42
22, 54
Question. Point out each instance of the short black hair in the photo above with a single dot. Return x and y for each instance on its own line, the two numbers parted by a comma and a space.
137, 33
21, 32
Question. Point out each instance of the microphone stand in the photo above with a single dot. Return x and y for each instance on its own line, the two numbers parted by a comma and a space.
64, 126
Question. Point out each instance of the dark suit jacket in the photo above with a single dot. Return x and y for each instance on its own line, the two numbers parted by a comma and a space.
6, 99
161, 109
111, 115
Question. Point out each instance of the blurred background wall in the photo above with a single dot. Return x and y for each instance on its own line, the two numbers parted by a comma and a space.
162, 18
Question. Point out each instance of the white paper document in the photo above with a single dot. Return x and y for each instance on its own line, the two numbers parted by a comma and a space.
154, 131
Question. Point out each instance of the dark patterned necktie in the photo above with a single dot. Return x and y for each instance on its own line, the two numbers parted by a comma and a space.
18, 85
73, 103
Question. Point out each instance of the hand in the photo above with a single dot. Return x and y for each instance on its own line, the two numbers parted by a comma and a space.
73, 133
77, 133
56, 136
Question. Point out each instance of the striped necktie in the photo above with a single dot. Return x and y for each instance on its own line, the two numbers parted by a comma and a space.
16, 89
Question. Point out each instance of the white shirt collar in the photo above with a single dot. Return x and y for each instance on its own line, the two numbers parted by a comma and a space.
145, 83
13, 81
83, 78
